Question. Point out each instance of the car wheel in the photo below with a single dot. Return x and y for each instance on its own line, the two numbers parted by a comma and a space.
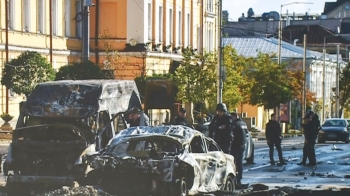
347, 140
250, 160
181, 188
320, 141
230, 184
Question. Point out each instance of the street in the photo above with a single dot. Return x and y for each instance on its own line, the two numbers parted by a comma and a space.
332, 166
332, 169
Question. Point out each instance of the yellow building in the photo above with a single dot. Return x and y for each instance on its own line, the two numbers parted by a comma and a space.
148, 35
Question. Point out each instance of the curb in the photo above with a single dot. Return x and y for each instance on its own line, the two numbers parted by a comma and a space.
285, 136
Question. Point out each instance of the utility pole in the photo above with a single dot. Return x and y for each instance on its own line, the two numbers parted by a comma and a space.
7, 50
303, 106
220, 82
337, 85
324, 83
86, 29
50, 24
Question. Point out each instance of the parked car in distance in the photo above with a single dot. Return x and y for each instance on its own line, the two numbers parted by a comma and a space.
334, 129
161, 160
248, 154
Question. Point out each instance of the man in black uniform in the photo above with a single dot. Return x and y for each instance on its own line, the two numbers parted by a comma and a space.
274, 138
238, 143
310, 133
181, 119
220, 128
136, 117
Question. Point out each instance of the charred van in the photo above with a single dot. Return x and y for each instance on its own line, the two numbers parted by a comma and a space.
60, 122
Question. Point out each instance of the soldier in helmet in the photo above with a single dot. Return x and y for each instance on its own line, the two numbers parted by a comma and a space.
220, 128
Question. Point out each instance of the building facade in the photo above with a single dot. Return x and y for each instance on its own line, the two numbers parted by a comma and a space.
129, 37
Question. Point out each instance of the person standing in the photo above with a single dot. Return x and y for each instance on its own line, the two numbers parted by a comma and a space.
238, 143
274, 139
220, 128
181, 119
310, 133
136, 117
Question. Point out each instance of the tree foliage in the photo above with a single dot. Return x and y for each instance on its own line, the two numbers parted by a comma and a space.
344, 89
23, 73
271, 84
195, 78
237, 85
80, 71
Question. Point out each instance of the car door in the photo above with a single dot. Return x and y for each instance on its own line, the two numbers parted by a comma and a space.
218, 158
248, 145
206, 164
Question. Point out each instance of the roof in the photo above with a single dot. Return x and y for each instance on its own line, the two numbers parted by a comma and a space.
251, 46
81, 98
330, 6
181, 132
315, 35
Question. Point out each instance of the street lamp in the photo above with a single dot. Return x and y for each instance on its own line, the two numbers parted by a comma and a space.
280, 28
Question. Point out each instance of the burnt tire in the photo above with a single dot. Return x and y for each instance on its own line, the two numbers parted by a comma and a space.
180, 188
250, 160
230, 184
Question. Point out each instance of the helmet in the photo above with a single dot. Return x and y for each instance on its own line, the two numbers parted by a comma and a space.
222, 107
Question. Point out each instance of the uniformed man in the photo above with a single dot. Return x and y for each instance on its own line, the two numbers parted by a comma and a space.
238, 143
136, 117
220, 128
181, 119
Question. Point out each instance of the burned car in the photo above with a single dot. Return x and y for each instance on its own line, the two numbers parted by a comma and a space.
172, 160
59, 123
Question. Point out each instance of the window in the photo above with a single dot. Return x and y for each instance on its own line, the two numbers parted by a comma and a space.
54, 17
79, 24
41, 16
188, 30
211, 146
210, 6
210, 36
199, 37
179, 33
26, 15
67, 17
11, 13
160, 20
170, 27
197, 145
150, 21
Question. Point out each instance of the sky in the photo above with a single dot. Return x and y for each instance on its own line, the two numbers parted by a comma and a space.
237, 7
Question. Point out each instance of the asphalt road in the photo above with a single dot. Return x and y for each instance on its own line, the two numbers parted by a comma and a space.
331, 172
332, 169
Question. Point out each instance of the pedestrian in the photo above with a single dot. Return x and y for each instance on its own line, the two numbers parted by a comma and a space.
274, 139
181, 119
310, 135
220, 128
136, 117
238, 144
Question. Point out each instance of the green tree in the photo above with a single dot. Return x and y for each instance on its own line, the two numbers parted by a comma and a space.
80, 71
23, 73
344, 89
238, 84
195, 78
271, 85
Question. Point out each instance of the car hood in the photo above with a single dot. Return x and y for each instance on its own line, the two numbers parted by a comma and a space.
333, 128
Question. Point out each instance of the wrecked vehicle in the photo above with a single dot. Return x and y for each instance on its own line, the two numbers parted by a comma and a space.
171, 160
60, 122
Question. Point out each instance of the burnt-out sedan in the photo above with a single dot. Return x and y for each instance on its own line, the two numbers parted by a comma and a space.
164, 160
334, 129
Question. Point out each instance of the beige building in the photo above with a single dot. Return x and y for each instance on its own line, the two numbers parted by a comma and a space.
149, 35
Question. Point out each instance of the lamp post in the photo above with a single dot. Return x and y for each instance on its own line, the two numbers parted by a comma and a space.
280, 28
220, 80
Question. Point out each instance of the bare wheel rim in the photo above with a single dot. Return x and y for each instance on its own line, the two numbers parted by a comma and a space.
183, 187
229, 185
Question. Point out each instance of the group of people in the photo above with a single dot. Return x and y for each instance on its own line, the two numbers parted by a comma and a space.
274, 137
228, 131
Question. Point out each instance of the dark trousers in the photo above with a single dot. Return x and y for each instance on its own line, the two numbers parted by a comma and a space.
279, 151
237, 153
309, 152
224, 142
